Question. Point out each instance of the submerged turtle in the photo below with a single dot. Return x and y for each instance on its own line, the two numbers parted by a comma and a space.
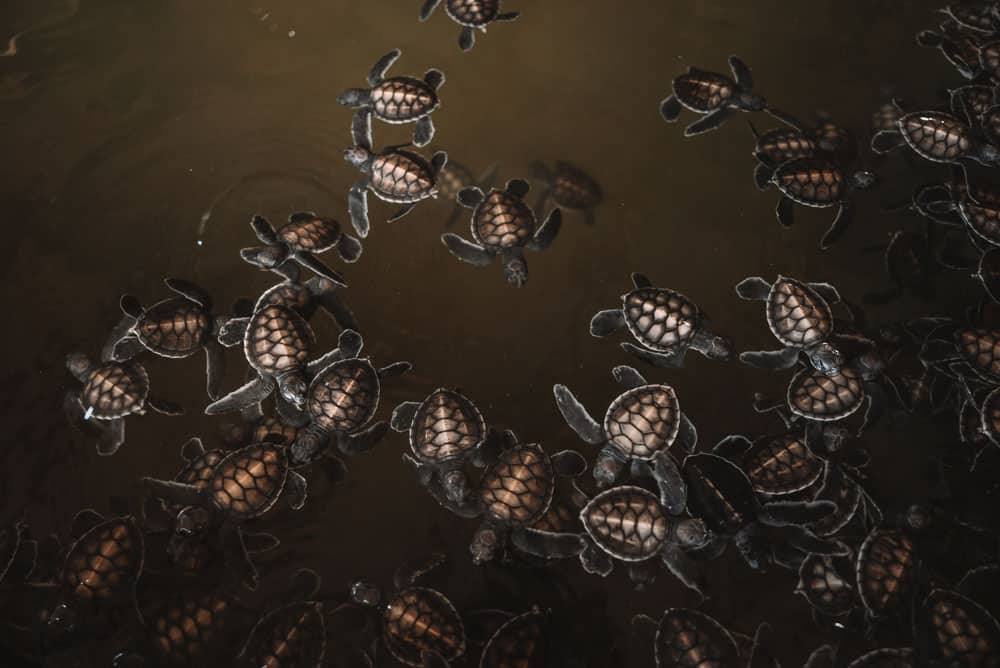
502, 224
472, 15
420, 626
569, 187
396, 100
936, 136
664, 322
640, 427
885, 570
521, 641
976, 16
688, 638
178, 327
776, 147
293, 634
973, 351
714, 95
820, 184
455, 177
962, 633
775, 465
800, 317
827, 583
111, 391
303, 237
908, 262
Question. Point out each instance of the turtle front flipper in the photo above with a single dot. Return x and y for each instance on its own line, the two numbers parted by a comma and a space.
251, 393
741, 73
175, 493
673, 489
886, 141
753, 288
786, 118
423, 131
568, 464
662, 360
126, 348
215, 369
684, 568
348, 248
112, 436
354, 444
466, 39
394, 369
786, 358
596, 561
377, 73
670, 108
262, 227
232, 331
606, 322
466, 251
428, 9
403, 414
403, 211
316, 266
785, 212
577, 417
238, 559
827, 291
297, 489
507, 16
732, 447
628, 377
361, 128
164, 406
190, 290
518, 188
357, 205
548, 544
547, 232
438, 161
708, 123
843, 220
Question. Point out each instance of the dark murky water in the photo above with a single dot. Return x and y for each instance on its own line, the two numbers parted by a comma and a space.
139, 138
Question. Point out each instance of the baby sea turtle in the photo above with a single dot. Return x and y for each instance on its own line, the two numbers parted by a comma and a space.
665, 323
959, 48
293, 634
300, 239
714, 95
640, 427
776, 147
502, 224
936, 136
472, 15
522, 642
800, 317
688, 638
885, 570
420, 626
775, 465
827, 583
820, 184
962, 633
826, 397
111, 391
178, 327
569, 187
455, 177
396, 100
975, 349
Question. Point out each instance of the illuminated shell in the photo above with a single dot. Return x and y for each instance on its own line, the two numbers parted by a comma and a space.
293, 636
344, 396
293, 295
249, 481
884, 569
780, 145
687, 638
502, 220
825, 398
445, 426
661, 319
115, 389
935, 135
559, 518
520, 643
962, 632
643, 421
703, 91
105, 561
403, 99
983, 219
518, 488
472, 13
271, 427
277, 340
827, 583
184, 632
419, 619
796, 314
313, 236
627, 522
811, 182
402, 177
174, 328
981, 347
452, 178
781, 465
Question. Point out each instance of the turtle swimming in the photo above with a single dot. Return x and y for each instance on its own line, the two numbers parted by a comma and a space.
472, 15
569, 187
299, 240
937, 136
455, 177
714, 95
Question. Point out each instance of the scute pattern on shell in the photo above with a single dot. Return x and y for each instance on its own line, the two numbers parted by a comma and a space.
962, 632
981, 347
825, 398
935, 135
293, 295
104, 561
452, 178
402, 177
314, 236
503, 221
520, 643
661, 319
174, 328
447, 425
402, 99
643, 421
418, 619
797, 315
687, 638
289, 637
703, 91
277, 340
518, 487
472, 13
780, 145
199, 471
824, 582
344, 396
811, 182
271, 427
626, 522
248, 482
183, 633
782, 465
559, 518
116, 389
575, 189
884, 569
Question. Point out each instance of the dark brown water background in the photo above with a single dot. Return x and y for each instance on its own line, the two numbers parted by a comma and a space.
124, 124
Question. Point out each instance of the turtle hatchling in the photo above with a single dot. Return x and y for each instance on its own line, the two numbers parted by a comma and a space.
502, 224
937, 136
714, 95
522, 641
472, 15
455, 177
569, 187
300, 240
665, 323
962, 632
396, 100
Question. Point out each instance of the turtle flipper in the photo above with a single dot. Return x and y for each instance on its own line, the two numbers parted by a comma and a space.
507, 16
785, 212
309, 444
568, 464
762, 175
297, 489
361, 128
673, 489
192, 449
381, 66
741, 73
253, 392
238, 559
466, 250
518, 188
470, 197
403, 414
547, 544
886, 141
670, 108
732, 447
428, 9
605, 322
357, 205
403, 210
331, 303
577, 417
174, 492
640, 280
394, 369
348, 248
786, 118
596, 561
708, 123
164, 406
547, 232
466, 39
434, 78
316, 266
827, 291
232, 332
785, 513
84, 521
684, 568
687, 434
662, 360
126, 348
190, 290
333, 468
262, 227
753, 288
628, 377
215, 369
786, 358
843, 220
423, 131
355, 444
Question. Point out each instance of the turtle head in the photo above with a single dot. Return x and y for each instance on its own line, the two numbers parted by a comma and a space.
608, 467
515, 270
753, 546
720, 348
862, 180
826, 359
752, 102
191, 521
484, 545
293, 388
265, 257
455, 486
692, 534
358, 156
365, 593
78, 364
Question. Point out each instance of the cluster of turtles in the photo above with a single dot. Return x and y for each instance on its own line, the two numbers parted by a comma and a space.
920, 579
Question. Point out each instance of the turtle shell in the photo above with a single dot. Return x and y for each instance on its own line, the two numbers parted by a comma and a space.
518, 487
104, 561
402, 177
419, 619
990, 415
885, 569
796, 314
702, 91
174, 328
572, 188
277, 340
403, 99
686, 638
115, 389
452, 178
561, 517
344, 396
643, 421
627, 522
271, 427
292, 636
472, 13
661, 319
935, 135
832, 138
719, 493
519, 643
249, 481
827, 584
292, 295
780, 145
184, 631
842, 491
982, 218
313, 235
989, 59
811, 182
198, 470
781, 465
825, 398
981, 347
446, 426
885, 658
962, 632
502, 220
977, 99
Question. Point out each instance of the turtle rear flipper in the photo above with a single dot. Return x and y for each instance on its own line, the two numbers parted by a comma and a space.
357, 204
428, 8
670, 108
466, 39
507, 16
548, 544
547, 232
251, 393
886, 141
466, 250
753, 288
568, 464
786, 358
190, 290
628, 377
423, 131
662, 360
732, 447
827, 291
355, 444
708, 123
403, 414
684, 568
394, 369
112, 437
518, 188
401, 212
434, 78
577, 417
843, 220
164, 406
215, 368
785, 212
377, 73
470, 197
605, 322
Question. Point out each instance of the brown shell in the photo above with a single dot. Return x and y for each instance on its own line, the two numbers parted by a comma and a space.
184, 632
503, 221
446, 426
293, 295
935, 135
886, 117
418, 619
198, 471
572, 188
105, 561
811, 182
825, 398
174, 328
843, 492
828, 584
796, 314
686, 638
293, 636
402, 177
990, 415
561, 517
885, 569
885, 658
832, 138
472, 13
249, 481
962, 632
313, 236
452, 178
344, 396
704, 91
643, 421
520, 643
661, 319
115, 389
781, 465
780, 145
271, 427
403, 99
981, 347
982, 218
517, 489
989, 59
277, 340
977, 99
627, 522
